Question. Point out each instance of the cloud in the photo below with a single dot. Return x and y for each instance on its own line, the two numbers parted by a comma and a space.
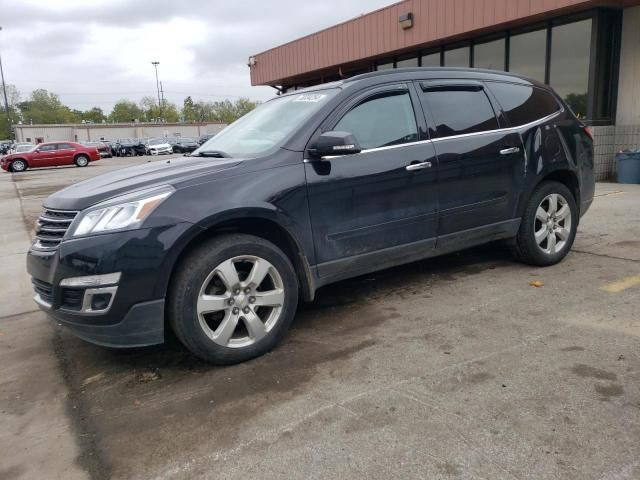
94, 53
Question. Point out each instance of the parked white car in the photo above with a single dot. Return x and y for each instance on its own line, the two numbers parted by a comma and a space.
159, 146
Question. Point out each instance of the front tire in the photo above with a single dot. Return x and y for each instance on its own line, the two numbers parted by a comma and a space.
18, 166
82, 160
549, 225
233, 299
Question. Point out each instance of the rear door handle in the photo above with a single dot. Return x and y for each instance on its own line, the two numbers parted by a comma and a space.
418, 166
510, 151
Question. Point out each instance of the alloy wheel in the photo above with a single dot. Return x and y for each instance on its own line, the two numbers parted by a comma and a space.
552, 224
240, 301
18, 166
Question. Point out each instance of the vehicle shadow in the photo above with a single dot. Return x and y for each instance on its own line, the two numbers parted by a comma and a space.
330, 303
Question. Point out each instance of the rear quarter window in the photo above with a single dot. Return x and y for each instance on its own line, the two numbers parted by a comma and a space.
523, 104
460, 112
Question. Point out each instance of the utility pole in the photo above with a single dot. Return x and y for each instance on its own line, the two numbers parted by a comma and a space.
6, 102
155, 64
162, 99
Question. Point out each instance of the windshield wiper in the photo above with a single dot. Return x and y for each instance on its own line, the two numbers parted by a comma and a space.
213, 153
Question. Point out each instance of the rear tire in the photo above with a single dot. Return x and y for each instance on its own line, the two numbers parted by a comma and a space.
233, 298
18, 166
82, 160
548, 227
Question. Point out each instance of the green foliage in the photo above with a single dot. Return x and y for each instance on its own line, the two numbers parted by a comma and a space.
95, 115
578, 103
126, 111
44, 107
224, 111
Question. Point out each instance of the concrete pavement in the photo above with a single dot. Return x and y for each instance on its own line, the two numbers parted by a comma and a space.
449, 368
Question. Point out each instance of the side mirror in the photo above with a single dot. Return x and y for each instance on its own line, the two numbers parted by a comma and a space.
334, 143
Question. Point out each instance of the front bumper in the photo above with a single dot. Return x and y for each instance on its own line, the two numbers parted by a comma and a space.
159, 151
134, 313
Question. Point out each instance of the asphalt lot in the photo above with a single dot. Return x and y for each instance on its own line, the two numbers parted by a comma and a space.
454, 367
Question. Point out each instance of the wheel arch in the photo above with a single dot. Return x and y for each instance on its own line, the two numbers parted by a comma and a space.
259, 225
567, 177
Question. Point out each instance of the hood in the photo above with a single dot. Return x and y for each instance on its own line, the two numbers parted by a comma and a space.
103, 187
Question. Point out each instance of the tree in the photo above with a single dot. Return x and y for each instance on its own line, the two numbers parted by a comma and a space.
95, 115
578, 103
44, 107
13, 98
244, 106
126, 111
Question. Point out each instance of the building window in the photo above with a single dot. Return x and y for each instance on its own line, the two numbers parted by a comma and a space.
490, 55
431, 60
569, 69
384, 66
527, 53
407, 62
458, 57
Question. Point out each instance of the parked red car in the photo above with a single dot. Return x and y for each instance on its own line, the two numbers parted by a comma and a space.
50, 154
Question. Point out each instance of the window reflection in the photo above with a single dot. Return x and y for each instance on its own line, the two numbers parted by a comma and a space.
458, 57
431, 60
384, 66
527, 54
408, 62
569, 70
489, 55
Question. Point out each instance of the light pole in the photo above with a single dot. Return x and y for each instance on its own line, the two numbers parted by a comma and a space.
6, 102
155, 64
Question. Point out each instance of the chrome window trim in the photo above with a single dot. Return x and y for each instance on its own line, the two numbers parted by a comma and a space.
451, 137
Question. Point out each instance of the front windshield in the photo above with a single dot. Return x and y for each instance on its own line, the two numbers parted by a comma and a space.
268, 125
25, 148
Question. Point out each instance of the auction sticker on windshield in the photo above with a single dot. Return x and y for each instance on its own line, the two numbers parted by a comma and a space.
310, 97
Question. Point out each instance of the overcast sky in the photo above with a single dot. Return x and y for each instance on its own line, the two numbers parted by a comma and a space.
95, 52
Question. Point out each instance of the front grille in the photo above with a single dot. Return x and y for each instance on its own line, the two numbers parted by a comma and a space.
72, 298
51, 227
44, 290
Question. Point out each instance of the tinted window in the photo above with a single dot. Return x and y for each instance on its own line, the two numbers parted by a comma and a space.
381, 121
489, 55
570, 56
457, 112
62, 146
46, 148
523, 104
458, 57
408, 62
431, 60
527, 54
385, 66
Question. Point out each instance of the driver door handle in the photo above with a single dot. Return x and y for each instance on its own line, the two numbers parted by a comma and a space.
510, 151
418, 166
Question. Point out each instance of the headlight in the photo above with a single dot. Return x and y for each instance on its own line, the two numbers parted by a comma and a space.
126, 211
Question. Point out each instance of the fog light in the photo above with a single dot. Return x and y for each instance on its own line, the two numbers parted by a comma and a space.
100, 301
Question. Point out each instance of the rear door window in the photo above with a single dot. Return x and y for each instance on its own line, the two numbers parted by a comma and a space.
381, 121
523, 104
459, 111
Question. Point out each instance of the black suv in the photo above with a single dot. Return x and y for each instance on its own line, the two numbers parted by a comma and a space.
311, 188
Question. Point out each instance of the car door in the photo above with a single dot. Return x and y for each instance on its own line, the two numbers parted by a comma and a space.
367, 208
64, 154
481, 163
43, 156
